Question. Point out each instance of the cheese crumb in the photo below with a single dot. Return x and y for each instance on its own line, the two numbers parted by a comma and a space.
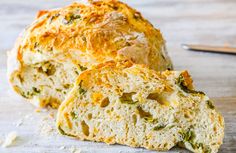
37, 110
10, 139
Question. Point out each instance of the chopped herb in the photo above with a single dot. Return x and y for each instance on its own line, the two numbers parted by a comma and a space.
207, 150
198, 145
126, 98
36, 44
163, 56
66, 86
36, 47
170, 127
159, 127
35, 90
209, 104
204, 148
59, 90
73, 115
82, 68
181, 83
51, 70
76, 72
151, 120
84, 39
31, 93
53, 17
70, 18
188, 136
63, 132
20, 78
23, 94
81, 90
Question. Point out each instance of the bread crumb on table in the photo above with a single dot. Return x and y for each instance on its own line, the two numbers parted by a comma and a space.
19, 122
62, 148
10, 139
75, 150
47, 124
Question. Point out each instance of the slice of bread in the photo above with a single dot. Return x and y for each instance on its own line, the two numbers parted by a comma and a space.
61, 43
130, 104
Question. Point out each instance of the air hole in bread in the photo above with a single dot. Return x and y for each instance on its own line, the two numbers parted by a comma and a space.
90, 116
105, 102
47, 68
85, 128
156, 97
186, 116
215, 129
165, 145
142, 113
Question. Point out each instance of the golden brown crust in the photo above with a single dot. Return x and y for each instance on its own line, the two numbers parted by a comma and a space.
99, 30
75, 38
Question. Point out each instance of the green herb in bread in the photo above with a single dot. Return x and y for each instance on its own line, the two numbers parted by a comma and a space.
130, 104
61, 43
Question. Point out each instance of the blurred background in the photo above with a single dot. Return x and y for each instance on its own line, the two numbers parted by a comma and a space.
210, 22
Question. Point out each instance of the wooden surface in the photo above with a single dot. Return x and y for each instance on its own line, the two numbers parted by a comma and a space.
210, 22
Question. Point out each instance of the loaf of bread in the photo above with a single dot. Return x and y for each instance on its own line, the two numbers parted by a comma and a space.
61, 43
130, 104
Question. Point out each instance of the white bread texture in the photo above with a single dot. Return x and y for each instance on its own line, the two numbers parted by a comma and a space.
126, 103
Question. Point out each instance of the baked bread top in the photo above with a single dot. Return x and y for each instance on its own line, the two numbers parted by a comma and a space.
130, 104
61, 43
91, 34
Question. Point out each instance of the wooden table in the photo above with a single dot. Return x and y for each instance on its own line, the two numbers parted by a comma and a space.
181, 21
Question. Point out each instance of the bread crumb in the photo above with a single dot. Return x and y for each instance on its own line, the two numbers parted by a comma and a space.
52, 115
19, 122
62, 148
10, 139
37, 110
78, 151
28, 116
75, 150
47, 124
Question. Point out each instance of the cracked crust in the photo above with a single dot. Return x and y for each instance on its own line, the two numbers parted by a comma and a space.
77, 37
